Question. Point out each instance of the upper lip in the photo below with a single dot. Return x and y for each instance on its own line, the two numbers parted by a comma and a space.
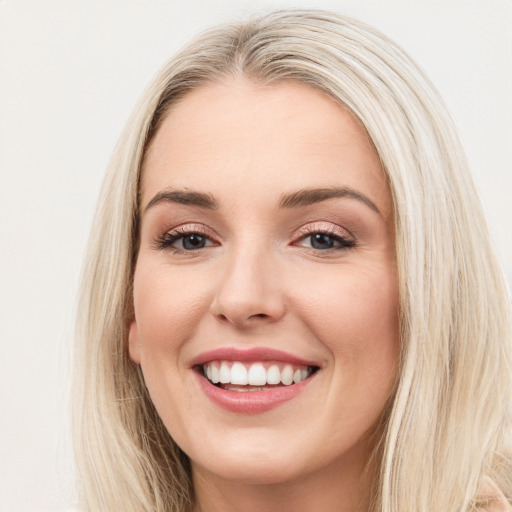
249, 355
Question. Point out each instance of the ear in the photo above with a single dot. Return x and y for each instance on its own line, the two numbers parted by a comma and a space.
133, 342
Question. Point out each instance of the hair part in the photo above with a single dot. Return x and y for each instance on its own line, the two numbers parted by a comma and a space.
449, 421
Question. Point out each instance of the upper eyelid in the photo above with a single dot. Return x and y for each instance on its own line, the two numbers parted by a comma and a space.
324, 227
189, 228
319, 226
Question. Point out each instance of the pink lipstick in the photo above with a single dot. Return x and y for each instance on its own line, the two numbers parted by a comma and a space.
251, 381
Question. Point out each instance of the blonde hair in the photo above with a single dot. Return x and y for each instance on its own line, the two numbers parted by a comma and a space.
449, 421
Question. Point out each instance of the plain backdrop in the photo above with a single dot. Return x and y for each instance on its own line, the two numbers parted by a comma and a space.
70, 72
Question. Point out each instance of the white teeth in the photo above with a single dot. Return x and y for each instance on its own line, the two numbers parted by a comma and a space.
287, 375
215, 378
239, 374
273, 375
257, 375
224, 373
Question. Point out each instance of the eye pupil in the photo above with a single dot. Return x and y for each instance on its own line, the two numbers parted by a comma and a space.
321, 241
194, 241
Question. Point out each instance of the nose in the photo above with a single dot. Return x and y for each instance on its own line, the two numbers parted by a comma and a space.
249, 292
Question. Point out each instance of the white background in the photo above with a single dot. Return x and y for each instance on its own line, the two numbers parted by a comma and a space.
70, 72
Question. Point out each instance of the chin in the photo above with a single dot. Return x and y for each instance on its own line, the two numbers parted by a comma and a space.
261, 458
247, 456
251, 471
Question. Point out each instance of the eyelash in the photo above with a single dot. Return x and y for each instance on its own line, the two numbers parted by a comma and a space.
167, 240
345, 242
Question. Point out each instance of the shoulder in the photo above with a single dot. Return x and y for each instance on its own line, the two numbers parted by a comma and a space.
494, 499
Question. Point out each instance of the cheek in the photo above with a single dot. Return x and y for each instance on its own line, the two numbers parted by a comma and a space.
352, 302
168, 305
356, 317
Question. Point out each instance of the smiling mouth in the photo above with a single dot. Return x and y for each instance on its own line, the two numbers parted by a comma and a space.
258, 376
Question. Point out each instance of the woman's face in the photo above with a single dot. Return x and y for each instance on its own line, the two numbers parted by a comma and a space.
266, 255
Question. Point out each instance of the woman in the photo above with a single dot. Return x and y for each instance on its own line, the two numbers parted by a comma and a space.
291, 301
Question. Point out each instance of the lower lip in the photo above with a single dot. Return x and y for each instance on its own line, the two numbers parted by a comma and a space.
251, 402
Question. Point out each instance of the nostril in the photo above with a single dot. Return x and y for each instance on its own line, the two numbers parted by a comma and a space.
245, 311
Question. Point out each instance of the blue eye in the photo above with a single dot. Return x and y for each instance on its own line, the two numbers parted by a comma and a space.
184, 242
321, 241
193, 241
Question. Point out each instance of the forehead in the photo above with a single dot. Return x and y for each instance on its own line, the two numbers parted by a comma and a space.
237, 136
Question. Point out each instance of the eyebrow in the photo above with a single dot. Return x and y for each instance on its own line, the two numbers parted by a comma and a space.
186, 197
303, 197
309, 196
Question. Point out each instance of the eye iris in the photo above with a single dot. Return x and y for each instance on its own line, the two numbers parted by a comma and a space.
321, 241
192, 242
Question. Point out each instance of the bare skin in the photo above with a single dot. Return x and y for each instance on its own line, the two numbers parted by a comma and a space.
253, 261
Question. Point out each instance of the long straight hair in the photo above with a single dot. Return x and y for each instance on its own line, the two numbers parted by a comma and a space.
449, 422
